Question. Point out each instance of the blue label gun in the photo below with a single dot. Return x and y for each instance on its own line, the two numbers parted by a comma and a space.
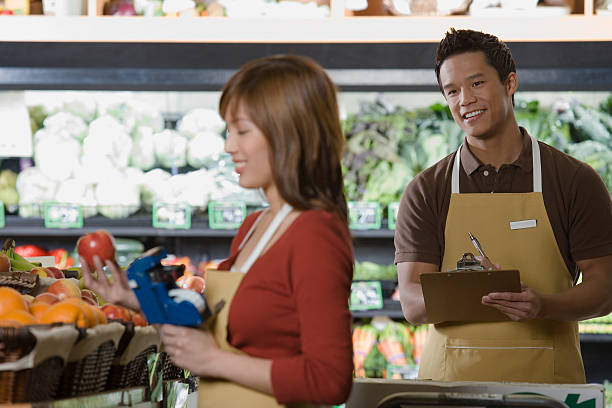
161, 300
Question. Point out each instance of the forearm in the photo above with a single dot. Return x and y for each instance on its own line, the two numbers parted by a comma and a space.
413, 303
251, 372
584, 301
591, 298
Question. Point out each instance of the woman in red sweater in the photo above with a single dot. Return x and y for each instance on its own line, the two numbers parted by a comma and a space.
291, 264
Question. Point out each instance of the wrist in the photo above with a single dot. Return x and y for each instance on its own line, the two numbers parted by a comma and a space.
544, 312
219, 362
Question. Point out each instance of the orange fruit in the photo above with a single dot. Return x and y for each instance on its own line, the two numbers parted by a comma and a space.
101, 316
38, 309
65, 312
92, 318
10, 300
10, 323
21, 316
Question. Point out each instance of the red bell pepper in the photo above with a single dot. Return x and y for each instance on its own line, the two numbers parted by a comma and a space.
30, 250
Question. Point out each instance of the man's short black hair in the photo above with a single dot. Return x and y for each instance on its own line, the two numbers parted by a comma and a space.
496, 52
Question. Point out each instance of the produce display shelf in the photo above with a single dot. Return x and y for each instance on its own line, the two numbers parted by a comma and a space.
137, 226
595, 338
391, 308
519, 27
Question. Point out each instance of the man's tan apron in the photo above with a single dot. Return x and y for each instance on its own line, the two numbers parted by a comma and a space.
222, 286
543, 351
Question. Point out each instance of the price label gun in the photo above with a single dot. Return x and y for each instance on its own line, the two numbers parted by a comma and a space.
161, 300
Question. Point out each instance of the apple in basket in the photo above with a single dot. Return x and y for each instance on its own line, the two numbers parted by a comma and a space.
195, 283
116, 312
64, 288
57, 272
99, 243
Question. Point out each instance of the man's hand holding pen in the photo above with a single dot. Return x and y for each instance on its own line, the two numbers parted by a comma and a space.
522, 306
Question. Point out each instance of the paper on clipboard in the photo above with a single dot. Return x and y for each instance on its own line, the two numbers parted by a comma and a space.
456, 296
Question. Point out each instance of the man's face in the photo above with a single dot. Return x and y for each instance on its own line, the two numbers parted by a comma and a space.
479, 102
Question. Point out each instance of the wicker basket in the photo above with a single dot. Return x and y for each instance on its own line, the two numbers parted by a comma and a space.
129, 368
25, 283
31, 361
90, 361
170, 371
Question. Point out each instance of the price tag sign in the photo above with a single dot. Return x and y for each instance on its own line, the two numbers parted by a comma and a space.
2, 223
171, 216
226, 215
63, 215
366, 295
402, 372
364, 215
392, 215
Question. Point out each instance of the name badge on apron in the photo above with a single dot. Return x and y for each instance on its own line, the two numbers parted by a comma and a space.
516, 225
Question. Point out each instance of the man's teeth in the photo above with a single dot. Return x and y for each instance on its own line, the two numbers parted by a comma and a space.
472, 114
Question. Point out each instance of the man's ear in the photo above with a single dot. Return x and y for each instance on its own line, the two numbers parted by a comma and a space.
511, 84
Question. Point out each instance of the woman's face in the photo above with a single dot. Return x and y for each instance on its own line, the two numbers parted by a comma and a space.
249, 149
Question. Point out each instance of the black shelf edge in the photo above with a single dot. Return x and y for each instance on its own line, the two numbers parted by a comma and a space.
541, 65
596, 337
391, 308
137, 226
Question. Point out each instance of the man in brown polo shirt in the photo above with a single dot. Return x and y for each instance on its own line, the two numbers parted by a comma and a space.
532, 207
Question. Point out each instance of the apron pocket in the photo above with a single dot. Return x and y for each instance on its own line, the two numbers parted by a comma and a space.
499, 360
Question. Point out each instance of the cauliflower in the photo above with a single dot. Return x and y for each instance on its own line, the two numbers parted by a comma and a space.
57, 155
34, 188
170, 149
134, 113
107, 139
75, 191
117, 196
151, 185
193, 188
82, 105
200, 120
71, 124
204, 149
143, 152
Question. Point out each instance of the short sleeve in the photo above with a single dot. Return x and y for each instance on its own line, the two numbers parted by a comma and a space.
417, 225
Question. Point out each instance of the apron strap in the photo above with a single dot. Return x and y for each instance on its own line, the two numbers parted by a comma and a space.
537, 168
276, 222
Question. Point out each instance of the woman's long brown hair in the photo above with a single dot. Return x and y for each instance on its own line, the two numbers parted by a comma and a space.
293, 102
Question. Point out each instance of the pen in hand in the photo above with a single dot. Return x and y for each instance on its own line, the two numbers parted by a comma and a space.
477, 244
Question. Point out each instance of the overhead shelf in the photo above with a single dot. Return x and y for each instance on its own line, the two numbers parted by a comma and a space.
413, 29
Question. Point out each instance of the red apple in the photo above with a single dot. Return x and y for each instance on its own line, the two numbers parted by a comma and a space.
139, 319
57, 273
88, 294
46, 297
195, 283
99, 243
64, 288
42, 272
115, 312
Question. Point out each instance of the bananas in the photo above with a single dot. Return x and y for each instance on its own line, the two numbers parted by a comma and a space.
18, 262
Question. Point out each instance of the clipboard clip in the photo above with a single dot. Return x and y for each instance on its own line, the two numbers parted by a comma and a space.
468, 262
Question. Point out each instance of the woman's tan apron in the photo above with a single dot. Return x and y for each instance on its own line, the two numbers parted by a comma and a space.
543, 351
221, 287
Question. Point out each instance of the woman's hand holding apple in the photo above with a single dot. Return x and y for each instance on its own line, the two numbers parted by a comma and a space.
97, 249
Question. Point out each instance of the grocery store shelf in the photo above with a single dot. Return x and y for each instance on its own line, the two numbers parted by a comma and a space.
520, 27
391, 308
135, 226
595, 338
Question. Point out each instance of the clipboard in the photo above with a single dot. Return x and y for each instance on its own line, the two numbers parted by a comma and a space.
456, 296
